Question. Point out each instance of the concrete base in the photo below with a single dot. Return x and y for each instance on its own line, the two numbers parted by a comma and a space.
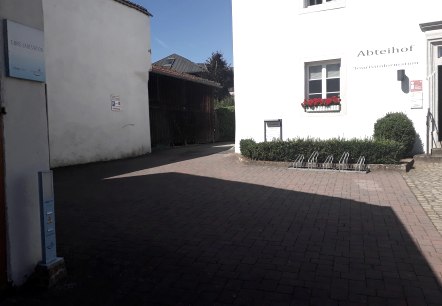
48, 275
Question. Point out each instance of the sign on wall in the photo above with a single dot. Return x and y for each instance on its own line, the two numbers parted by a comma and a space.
416, 94
24, 52
273, 130
115, 103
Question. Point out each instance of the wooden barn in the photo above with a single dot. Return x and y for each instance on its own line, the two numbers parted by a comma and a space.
181, 108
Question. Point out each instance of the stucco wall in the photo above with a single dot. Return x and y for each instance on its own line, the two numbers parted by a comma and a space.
273, 42
26, 150
95, 49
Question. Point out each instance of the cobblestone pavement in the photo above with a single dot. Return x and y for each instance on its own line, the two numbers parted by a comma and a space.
196, 226
425, 180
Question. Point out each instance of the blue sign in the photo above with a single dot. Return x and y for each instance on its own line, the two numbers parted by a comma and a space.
47, 214
24, 52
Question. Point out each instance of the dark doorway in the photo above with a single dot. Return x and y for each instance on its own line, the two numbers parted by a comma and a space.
3, 278
439, 101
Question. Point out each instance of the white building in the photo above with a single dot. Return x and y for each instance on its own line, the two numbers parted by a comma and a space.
98, 62
73, 89
286, 51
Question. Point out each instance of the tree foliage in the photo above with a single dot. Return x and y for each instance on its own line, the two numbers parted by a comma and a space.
219, 70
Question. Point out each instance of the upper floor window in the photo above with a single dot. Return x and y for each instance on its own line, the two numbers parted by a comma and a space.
310, 6
316, 2
323, 79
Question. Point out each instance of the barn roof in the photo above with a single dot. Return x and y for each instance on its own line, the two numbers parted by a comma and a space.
183, 76
135, 6
180, 64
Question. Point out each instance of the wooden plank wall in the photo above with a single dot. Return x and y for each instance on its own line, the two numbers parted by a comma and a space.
181, 112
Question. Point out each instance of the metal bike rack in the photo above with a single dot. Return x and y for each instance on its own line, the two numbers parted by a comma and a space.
299, 161
312, 162
360, 165
343, 161
328, 163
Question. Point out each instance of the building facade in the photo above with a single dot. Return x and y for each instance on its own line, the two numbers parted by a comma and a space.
73, 89
375, 57
97, 76
24, 146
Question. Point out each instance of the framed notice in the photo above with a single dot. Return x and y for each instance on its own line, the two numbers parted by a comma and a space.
273, 130
115, 103
24, 52
416, 94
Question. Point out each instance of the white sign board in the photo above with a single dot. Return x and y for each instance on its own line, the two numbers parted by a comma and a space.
115, 103
273, 130
416, 94
24, 52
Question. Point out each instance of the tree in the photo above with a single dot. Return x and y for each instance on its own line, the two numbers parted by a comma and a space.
219, 71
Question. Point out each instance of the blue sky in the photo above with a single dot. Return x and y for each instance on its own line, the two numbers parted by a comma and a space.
191, 28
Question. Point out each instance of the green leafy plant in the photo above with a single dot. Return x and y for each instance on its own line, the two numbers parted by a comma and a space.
381, 151
397, 127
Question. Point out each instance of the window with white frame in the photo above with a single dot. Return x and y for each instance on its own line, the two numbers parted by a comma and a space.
315, 2
310, 6
323, 79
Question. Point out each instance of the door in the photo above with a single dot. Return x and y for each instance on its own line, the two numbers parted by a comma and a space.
3, 272
438, 110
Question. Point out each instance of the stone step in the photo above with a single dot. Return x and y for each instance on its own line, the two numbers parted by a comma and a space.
428, 158
436, 152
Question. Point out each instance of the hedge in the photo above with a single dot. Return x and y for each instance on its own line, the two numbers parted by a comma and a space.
225, 117
375, 151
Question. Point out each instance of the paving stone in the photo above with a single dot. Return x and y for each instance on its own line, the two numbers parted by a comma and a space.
195, 225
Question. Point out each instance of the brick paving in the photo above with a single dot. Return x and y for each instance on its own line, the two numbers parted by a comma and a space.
196, 226
425, 180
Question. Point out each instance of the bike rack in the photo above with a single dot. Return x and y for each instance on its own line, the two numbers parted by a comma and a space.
343, 161
299, 161
328, 164
312, 162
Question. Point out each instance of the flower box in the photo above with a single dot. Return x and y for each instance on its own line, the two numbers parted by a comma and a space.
319, 105
323, 109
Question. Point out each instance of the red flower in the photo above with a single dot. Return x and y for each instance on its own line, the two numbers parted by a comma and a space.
314, 102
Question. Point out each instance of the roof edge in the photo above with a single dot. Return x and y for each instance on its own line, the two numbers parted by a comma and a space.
183, 76
135, 6
431, 26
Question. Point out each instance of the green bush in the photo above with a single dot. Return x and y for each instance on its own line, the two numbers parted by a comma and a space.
225, 122
375, 151
397, 127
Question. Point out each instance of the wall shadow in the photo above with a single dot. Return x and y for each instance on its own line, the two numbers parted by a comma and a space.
176, 239
157, 158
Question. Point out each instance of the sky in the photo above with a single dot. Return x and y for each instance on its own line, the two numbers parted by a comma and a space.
193, 29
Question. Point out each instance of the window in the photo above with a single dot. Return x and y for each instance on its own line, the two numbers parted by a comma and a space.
316, 2
310, 6
323, 79
169, 62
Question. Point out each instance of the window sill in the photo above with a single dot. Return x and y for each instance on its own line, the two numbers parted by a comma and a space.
323, 109
323, 7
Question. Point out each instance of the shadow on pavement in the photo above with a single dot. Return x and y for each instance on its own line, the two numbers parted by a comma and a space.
155, 159
176, 239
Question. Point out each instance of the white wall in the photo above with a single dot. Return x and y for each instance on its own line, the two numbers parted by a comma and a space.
272, 41
95, 49
26, 150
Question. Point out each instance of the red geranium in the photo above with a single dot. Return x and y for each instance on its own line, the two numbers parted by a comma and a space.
314, 102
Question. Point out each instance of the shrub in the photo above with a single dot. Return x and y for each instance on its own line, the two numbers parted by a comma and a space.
375, 151
225, 122
247, 147
397, 127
